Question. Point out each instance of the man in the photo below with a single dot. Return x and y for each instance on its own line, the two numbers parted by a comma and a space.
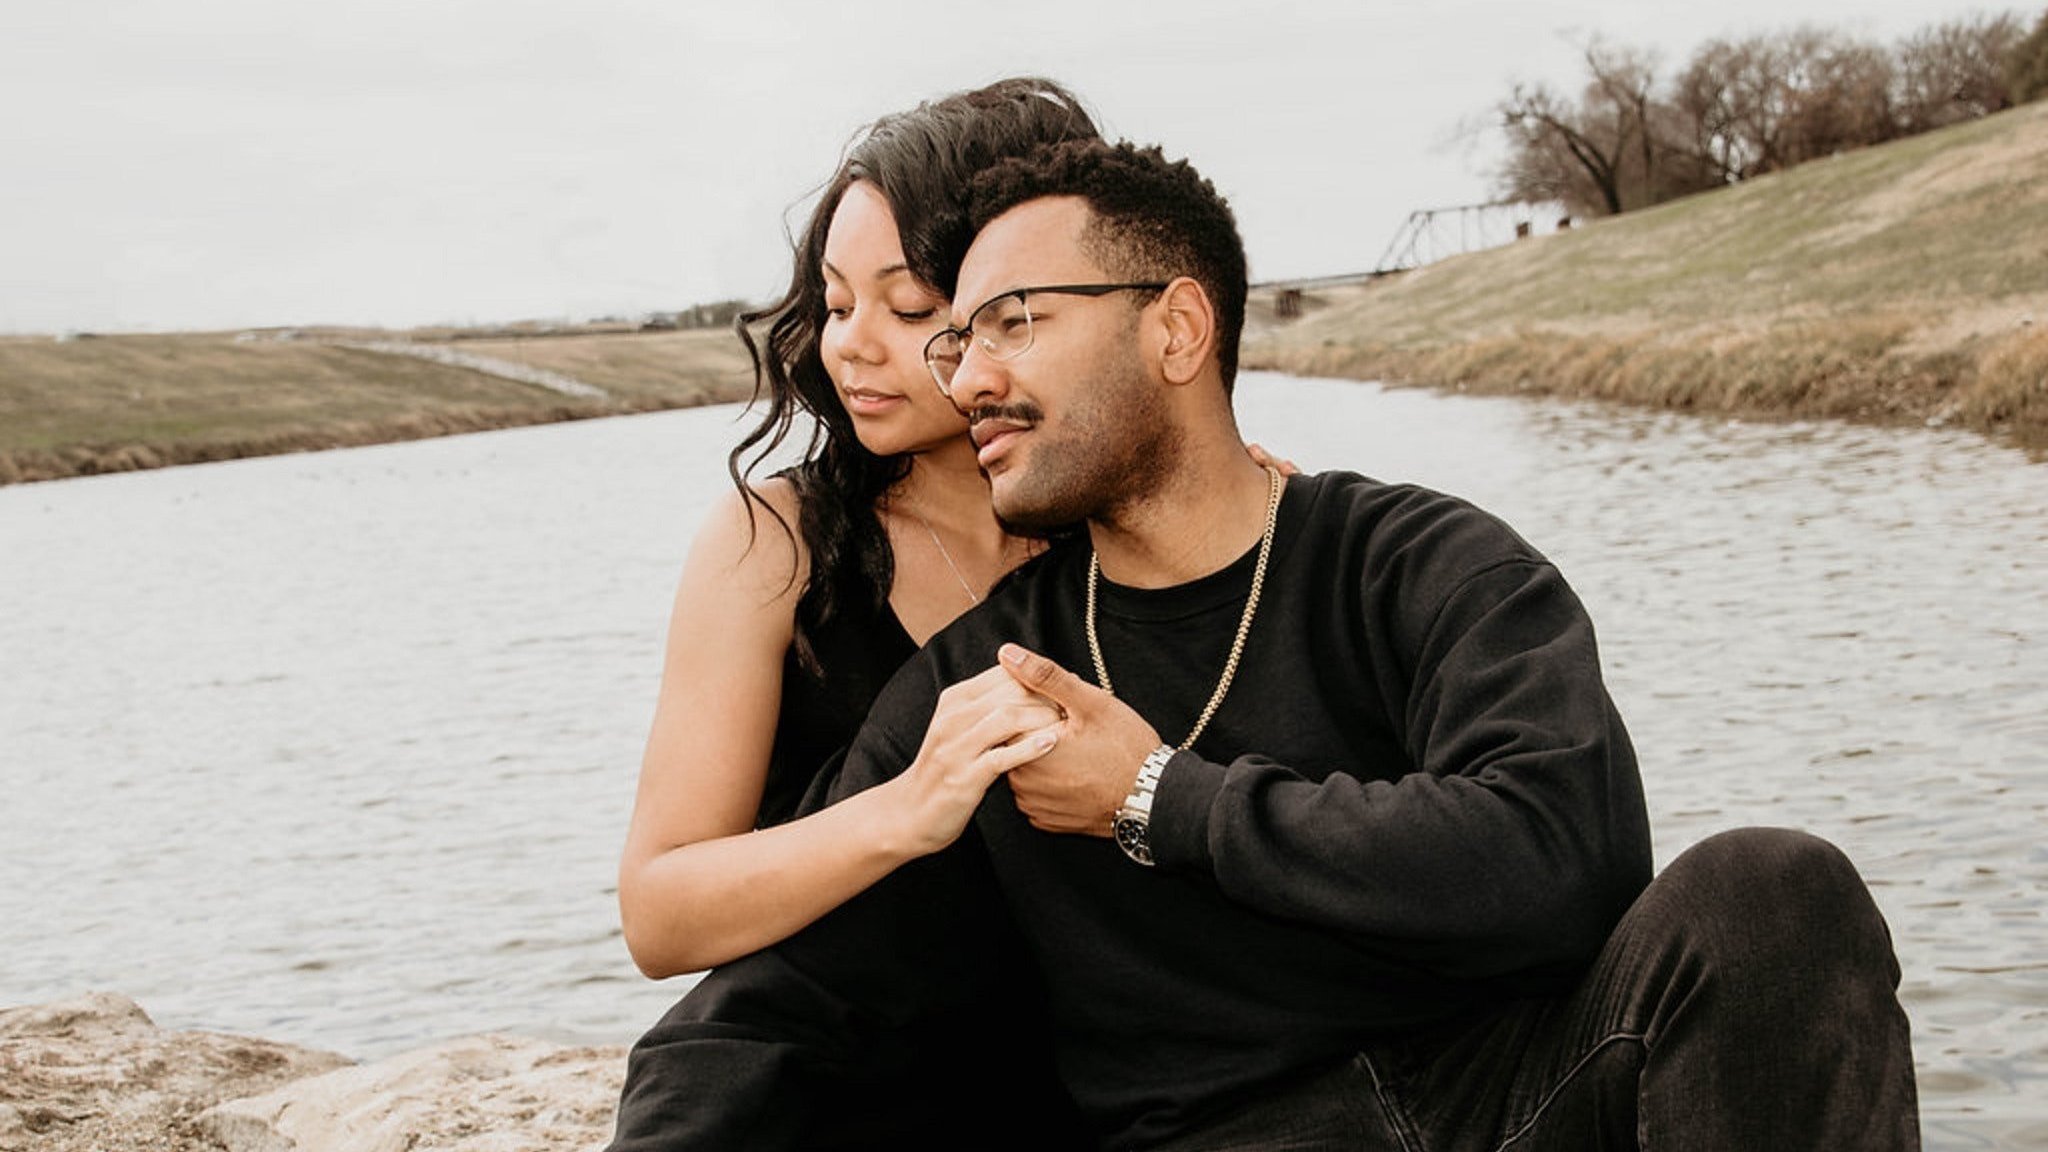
1341, 843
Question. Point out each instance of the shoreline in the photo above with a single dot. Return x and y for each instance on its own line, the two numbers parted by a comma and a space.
30, 466
95, 1072
1793, 377
1997, 389
84, 407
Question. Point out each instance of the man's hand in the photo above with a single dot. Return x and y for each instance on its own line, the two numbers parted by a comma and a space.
983, 727
1078, 785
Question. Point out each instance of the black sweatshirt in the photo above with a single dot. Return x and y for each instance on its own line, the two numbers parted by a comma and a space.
1417, 801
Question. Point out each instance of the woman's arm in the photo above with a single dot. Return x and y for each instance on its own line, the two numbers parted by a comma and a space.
697, 885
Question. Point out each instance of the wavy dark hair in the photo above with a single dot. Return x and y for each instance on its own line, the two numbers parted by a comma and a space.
922, 162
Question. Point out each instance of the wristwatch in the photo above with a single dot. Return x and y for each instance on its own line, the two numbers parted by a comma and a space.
1133, 823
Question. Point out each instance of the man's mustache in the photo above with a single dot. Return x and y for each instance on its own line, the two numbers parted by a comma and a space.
1023, 412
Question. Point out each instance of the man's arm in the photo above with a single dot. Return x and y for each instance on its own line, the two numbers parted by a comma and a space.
1517, 843
1514, 845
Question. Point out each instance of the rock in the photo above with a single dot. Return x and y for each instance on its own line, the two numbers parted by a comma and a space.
96, 1073
482, 1094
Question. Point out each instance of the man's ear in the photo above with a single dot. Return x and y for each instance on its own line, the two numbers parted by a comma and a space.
1190, 325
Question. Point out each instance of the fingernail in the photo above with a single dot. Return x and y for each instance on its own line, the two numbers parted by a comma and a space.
1045, 740
1010, 654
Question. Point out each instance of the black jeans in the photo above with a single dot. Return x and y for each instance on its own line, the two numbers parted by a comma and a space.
1747, 1003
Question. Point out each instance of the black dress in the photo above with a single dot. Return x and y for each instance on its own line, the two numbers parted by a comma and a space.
821, 710
981, 1077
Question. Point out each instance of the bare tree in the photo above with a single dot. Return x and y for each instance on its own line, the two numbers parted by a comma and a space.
1744, 108
1841, 96
2026, 66
1955, 71
1762, 104
1603, 154
1553, 154
1731, 98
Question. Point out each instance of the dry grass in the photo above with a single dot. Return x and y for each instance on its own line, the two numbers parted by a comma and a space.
115, 403
701, 367
1902, 283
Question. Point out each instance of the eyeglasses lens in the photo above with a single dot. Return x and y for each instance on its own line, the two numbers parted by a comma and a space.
1003, 326
943, 357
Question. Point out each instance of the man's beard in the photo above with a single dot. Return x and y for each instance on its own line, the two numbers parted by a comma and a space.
1115, 446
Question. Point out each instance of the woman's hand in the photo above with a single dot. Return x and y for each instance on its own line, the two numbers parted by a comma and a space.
1265, 459
982, 728
1077, 789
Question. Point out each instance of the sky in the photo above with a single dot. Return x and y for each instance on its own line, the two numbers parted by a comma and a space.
216, 164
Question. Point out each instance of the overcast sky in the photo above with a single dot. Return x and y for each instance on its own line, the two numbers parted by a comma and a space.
176, 164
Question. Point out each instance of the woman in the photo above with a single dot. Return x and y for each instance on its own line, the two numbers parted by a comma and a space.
804, 592
783, 631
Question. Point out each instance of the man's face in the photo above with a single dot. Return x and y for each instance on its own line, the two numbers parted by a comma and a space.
1075, 427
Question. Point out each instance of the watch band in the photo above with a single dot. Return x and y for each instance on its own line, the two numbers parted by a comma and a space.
1132, 823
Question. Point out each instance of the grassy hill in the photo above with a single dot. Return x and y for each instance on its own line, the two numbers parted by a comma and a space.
111, 403
1904, 283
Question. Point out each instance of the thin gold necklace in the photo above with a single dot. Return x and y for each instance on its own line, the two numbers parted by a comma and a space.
1244, 623
1001, 556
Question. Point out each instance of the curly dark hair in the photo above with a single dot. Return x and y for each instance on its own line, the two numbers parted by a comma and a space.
1154, 219
922, 162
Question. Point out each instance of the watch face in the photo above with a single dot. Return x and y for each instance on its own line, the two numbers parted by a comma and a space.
1131, 837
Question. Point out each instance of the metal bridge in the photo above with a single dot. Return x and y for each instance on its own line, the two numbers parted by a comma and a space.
1432, 234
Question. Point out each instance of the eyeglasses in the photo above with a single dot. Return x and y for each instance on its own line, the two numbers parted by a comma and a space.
1001, 327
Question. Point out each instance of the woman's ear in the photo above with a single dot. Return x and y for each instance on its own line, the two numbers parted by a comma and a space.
1190, 323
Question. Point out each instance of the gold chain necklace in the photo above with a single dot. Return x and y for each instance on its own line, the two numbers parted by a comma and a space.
1244, 623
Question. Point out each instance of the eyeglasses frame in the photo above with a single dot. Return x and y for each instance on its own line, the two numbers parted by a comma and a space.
966, 335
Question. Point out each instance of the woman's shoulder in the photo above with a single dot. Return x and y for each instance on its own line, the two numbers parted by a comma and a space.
779, 492
750, 538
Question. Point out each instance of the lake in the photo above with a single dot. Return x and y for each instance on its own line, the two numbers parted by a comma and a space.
338, 748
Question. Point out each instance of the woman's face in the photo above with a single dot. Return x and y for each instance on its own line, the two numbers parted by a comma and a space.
877, 319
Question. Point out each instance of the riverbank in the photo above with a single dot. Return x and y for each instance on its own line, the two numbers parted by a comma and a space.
1906, 283
87, 404
95, 1073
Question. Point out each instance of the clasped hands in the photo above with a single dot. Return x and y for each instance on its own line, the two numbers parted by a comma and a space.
1071, 751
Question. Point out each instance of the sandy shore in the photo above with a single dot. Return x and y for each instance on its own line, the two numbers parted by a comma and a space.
96, 1073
